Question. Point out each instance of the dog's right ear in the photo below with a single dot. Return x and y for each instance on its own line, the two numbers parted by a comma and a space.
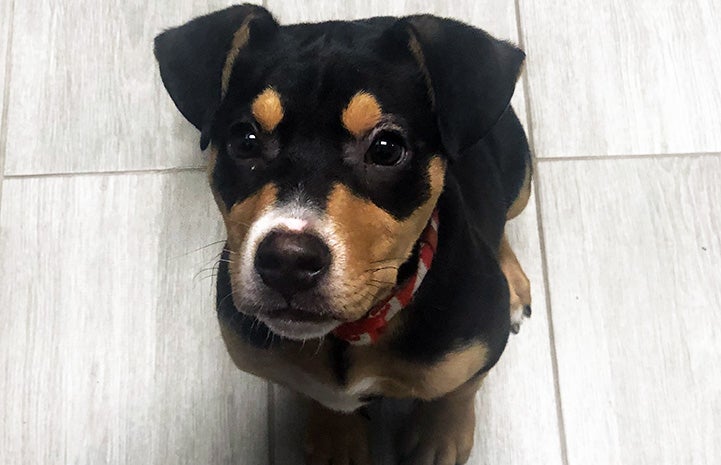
196, 59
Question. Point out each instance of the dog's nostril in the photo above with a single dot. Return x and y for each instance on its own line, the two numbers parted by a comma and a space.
312, 264
291, 262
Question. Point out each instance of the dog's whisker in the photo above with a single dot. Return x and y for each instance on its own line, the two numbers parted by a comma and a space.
320, 344
205, 278
213, 270
216, 263
382, 282
222, 301
387, 260
375, 270
198, 249
241, 223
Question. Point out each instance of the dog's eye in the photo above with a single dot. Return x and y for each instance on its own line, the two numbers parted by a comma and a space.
387, 149
243, 141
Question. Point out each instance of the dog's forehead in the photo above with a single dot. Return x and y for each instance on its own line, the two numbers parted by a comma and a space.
319, 68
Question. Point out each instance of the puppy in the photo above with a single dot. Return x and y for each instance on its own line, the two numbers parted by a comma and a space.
365, 171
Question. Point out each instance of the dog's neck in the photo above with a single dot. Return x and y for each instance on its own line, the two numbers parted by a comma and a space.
368, 329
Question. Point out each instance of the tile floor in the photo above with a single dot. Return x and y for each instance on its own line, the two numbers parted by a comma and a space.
109, 350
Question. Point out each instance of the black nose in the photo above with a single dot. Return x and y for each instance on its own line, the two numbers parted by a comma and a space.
291, 262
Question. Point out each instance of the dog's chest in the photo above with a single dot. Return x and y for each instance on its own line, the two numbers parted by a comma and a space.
343, 389
371, 372
365, 372
332, 395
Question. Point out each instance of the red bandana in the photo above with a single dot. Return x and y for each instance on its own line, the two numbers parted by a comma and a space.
369, 328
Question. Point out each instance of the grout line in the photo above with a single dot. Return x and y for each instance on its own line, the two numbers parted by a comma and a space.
644, 156
524, 77
544, 260
529, 131
271, 423
107, 173
537, 192
6, 96
183, 169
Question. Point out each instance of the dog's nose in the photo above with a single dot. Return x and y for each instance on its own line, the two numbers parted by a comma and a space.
291, 262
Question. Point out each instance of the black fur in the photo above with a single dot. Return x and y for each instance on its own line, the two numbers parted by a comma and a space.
473, 77
191, 59
249, 328
316, 68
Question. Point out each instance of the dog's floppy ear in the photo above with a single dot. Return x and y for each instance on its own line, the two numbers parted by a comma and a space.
196, 59
471, 76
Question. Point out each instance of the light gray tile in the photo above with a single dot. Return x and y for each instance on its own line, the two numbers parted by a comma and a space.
109, 347
516, 407
6, 14
85, 92
618, 78
634, 263
496, 16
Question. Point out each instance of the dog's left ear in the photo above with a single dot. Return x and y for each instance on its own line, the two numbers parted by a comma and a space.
471, 76
196, 58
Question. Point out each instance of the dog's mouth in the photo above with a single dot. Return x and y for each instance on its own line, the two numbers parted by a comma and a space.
298, 315
298, 324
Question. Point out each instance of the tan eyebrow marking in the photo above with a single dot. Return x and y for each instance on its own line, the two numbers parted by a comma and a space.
267, 109
417, 51
362, 113
240, 40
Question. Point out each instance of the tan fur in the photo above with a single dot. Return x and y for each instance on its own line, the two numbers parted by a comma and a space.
240, 40
522, 199
242, 215
390, 375
417, 52
362, 114
268, 109
375, 242
518, 284
401, 379
334, 437
209, 173
443, 429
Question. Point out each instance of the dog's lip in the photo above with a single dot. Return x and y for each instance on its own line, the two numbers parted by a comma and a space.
299, 315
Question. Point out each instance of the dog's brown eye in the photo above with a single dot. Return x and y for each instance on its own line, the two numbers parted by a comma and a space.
243, 141
388, 149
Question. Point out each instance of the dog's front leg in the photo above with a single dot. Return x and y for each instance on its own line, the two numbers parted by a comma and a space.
440, 432
518, 285
336, 438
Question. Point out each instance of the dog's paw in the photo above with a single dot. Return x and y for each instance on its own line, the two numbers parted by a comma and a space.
334, 438
519, 313
438, 435
520, 293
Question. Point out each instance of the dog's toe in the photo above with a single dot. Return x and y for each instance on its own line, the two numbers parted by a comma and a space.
519, 313
335, 438
438, 437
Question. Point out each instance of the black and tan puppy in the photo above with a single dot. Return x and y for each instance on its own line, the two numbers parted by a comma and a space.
365, 171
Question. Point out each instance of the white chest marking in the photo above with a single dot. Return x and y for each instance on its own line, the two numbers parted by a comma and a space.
333, 397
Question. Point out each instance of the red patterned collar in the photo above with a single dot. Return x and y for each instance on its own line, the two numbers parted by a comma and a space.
369, 328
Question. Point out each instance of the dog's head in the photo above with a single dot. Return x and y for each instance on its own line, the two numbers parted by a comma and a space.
329, 146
